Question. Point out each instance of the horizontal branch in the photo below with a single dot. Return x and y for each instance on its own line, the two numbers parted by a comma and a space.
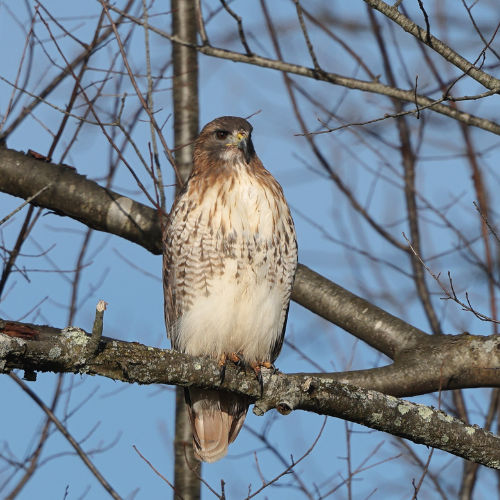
438, 362
73, 195
37, 348
68, 193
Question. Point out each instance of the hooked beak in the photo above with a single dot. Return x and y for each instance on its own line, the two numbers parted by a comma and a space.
241, 141
243, 145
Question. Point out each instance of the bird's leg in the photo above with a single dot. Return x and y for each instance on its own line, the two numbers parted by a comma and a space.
256, 366
238, 359
222, 367
235, 357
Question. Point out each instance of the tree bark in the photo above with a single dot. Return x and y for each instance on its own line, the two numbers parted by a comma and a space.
185, 101
40, 348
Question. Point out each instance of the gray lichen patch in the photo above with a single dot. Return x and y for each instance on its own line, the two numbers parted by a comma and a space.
55, 352
404, 408
445, 417
3, 345
244, 386
495, 464
425, 412
391, 401
75, 335
20, 341
258, 411
490, 345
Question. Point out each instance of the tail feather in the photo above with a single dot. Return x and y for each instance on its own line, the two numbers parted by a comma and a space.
216, 419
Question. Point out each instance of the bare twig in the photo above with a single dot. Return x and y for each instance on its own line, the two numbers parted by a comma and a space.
159, 474
156, 160
62, 429
241, 32
40, 96
437, 45
303, 27
451, 294
333, 78
22, 205
291, 466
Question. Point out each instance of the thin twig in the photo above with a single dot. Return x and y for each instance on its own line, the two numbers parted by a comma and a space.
40, 96
156, 471
294, 463
485, 219
62, 429
373, 86
200, 22
156, 158
451, 294
241, 32
303, 27
22, 205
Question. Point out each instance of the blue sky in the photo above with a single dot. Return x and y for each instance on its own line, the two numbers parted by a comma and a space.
328, 233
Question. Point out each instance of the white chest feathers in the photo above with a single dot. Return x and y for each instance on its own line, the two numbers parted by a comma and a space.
237, 264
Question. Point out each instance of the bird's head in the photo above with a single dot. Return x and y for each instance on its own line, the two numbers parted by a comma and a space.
226, 140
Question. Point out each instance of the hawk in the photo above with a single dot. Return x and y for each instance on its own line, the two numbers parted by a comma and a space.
230, 256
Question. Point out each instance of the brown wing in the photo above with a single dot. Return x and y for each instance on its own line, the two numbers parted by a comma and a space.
186, 264
285, 259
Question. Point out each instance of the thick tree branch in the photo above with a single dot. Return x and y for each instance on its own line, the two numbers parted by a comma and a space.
439, 362
383, 331
373, 87
77, 197
37, 348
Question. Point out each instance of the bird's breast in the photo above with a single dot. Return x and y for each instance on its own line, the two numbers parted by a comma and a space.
234, 252
241, 206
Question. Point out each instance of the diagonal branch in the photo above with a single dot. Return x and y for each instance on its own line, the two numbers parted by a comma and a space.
437, 45
374, 86
72, 441
75, 196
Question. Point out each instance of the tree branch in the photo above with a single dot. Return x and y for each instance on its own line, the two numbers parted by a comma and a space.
374, 87
39, 348
84, 200
437, 45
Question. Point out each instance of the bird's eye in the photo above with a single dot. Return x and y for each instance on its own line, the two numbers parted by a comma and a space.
221, 134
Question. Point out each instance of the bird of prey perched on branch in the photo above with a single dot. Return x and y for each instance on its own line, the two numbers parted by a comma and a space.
230, 256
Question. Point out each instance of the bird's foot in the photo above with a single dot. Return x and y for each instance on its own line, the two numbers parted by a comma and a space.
235, 357
256, 366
